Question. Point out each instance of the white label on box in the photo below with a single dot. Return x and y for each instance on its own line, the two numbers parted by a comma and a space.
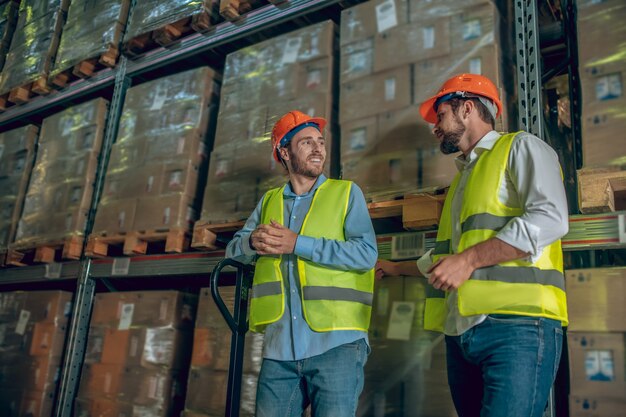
401, 320
134, 347
121, 218
382, 301
120, 266
390, 89
292, 49
166, 215
476, 66
222, 168
314, 79
429, 37
358, 62
53, 270
20, 328
68, 222
471, 29
599, 365
126, 318
163, 309
149, 183
386, 17
621, 225
357, 139
609, 87
160, 95
181, 146
408, 245
176, 179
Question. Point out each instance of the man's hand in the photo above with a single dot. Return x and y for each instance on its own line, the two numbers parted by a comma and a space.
384, 268
450, 272
273, 239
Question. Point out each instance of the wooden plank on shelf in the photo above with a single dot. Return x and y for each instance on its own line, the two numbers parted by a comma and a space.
141, 242
68, 248
205, 234
594, 190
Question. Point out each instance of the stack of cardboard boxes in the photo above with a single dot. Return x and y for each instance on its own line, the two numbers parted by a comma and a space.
394, 55
33, 328
155, 175
406, 371
8, 21
602, 62
61, 184
597, 341
261, 83
93, 30
137, 354
208, 378
17, 154
35, 43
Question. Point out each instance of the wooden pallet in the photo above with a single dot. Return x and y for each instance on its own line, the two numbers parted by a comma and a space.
235, 9
205, 234
69, 248
601, 190
85, 68
138, 243
25, 93
417, 211
168, 34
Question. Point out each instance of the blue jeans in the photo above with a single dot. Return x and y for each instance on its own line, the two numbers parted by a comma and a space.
504, 366
330, 382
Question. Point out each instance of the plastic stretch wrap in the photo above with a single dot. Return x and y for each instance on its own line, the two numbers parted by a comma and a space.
406, 371
210, 360
8, 21
137, 354
149, 15
61, 185
391, 61
17, 154
602, 65
158, 164
32, 330
261, 83
92, 28
34, 44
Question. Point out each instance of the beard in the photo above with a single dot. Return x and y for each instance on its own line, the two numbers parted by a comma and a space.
451, 138
298, 166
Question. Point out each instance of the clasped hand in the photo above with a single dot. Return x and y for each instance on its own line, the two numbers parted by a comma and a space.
273, 239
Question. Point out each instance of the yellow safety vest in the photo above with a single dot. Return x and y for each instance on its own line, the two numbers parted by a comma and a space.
516, 287
331, 299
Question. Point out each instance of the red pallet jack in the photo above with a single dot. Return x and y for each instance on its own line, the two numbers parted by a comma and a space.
238, 323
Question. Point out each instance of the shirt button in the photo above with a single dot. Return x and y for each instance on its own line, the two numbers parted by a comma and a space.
293, 217
294, 317
293, 291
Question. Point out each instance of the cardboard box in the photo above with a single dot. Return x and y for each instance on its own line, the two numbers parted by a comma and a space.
409, 43
591, 406
165, 212
359, 137
37, 403
101, 380
370, 18
147, 347
474, 26
11, 304
43, 372
597, 364
48, 339
595, 299
357, 60
206, 392
115, 216
124, 310
385, 91
211, 349
594, 17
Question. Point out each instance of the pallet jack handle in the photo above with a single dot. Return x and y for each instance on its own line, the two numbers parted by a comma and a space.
238, 323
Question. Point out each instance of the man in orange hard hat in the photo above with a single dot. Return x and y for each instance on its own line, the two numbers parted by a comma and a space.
497, 267
315, 249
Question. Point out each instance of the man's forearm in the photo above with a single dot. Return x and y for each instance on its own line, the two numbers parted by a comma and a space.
408, 268
492, 252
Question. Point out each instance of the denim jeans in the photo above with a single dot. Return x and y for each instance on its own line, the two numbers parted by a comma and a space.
504, 366
330, 382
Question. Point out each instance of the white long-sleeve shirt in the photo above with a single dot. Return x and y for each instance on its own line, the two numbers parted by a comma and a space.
533, 181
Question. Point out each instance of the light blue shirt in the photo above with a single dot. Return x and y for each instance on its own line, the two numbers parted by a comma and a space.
291, 338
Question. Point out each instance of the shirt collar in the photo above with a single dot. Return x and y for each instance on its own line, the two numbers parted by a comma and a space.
288, 192
486, 143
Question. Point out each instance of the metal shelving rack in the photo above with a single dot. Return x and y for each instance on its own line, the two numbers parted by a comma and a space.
204, 48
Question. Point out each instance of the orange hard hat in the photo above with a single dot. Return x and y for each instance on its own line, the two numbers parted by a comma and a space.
460, 86
289, 122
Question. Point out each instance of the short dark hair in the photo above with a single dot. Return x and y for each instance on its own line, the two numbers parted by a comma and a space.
483, 112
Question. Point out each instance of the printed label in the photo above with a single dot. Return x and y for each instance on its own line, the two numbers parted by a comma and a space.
476, 66
20, 328
429, 37
120, 266
126, 318
609, 87
390, 89
292, 48
471, 29
386, 17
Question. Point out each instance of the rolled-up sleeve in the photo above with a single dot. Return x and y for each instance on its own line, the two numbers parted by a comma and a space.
535, 174
239, 248
358, 252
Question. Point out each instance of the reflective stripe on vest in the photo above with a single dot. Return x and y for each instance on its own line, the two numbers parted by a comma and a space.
331, 299
516, 287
